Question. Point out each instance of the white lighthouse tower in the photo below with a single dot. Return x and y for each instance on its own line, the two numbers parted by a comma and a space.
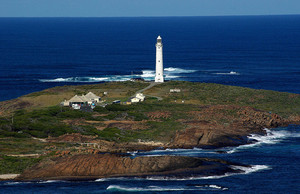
159, 75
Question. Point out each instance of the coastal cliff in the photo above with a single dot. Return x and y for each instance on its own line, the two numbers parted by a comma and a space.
208, 134
82, 167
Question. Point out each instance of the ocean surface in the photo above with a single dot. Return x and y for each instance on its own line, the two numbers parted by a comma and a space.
261, 52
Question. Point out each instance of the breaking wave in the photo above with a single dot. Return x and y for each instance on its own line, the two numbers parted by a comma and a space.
89, 79
35, 182
271, 137
170, 73
243, 169
230, 73
165, 188
178, 70
118, 179
148, 74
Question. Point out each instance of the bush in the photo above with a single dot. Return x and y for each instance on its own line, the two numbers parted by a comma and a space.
117, 107
12, 134
4, 121
88, 130
138, 116
100, 109
74, 114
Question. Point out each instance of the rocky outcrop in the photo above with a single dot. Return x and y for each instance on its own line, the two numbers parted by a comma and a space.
229, 127
253, 118
109, 165
211, 136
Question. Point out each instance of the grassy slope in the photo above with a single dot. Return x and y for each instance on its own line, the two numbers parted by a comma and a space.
53, 96
284, 104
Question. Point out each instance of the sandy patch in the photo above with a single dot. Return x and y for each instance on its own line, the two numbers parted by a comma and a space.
8, 176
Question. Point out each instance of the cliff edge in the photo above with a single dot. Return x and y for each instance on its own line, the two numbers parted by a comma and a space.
109, 165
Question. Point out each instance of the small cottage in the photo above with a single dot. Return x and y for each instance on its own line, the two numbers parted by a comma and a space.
76, 102
135, 100
140, 96
93, 97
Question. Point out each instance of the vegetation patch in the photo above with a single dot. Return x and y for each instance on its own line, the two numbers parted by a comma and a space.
9, 164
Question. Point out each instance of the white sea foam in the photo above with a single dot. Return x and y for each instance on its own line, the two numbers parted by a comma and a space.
116, 178
164, 188
16, 183
148, 188
244, 169
34, 182
170, 73
228, 73
251, 169
148, 74
271, 137
178, 70
51, 181
132, 153
76, 79
171, 76
217, 187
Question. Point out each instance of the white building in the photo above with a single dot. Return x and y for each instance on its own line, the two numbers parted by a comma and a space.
159, 71
92, 97
175, 90
140, 96
135, 99
77, 101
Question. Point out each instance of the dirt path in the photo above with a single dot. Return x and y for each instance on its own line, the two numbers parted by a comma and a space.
152, 84
39, 139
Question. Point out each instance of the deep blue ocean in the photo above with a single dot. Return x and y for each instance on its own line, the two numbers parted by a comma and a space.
261, 52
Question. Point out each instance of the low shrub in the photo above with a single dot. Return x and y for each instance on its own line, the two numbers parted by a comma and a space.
117, 107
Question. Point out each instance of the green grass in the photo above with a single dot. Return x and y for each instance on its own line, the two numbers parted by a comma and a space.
9, 164
157, 131
26, 146
282, 103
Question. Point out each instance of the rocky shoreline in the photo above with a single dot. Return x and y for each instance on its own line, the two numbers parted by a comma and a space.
110, 159
87, 167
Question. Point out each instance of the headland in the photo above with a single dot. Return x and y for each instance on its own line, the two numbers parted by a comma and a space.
36, 131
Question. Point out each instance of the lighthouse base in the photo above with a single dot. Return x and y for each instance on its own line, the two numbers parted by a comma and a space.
159, 79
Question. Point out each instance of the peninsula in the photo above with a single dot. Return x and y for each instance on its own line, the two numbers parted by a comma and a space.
36, 131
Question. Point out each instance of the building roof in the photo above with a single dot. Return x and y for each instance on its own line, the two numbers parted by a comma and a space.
140, 95
85, 99
91, 95
135, 99
76, 99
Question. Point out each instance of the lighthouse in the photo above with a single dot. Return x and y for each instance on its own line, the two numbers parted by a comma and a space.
159, 71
